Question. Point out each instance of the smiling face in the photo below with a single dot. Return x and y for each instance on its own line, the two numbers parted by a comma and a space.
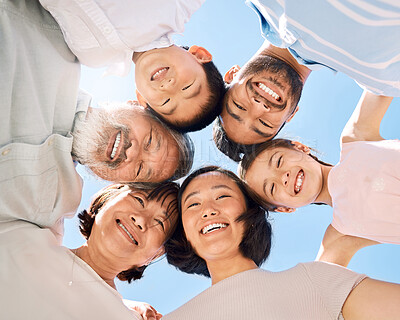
173, 82
261, 98
211, 203
126, 145
130, 229
285, 178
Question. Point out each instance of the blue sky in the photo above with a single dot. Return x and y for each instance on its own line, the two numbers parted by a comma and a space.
230, 31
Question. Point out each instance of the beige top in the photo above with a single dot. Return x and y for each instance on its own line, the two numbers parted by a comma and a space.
315, 290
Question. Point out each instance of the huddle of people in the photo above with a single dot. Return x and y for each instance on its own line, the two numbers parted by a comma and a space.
215, 223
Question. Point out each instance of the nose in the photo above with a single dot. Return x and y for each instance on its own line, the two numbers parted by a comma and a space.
132, 152
167, 84
209, 212
258, 107
285, 178
139, 221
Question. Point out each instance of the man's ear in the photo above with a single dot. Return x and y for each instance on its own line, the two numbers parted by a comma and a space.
301, 147
231, 73
141, 99
285, 209
292, 115
201, 54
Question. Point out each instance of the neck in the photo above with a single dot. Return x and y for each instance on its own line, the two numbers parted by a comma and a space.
136, 56
105, 270
324, 196
222, 269
268, 49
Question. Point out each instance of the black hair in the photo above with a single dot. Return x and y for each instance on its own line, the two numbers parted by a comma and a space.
256, 242
249, 158
211, 109
159, 194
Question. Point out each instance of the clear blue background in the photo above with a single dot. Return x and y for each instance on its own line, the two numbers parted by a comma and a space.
230, 31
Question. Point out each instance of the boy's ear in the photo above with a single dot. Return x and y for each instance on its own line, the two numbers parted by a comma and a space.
231, 73
142, 101
285, 209
201, 54
292, 115
301, 147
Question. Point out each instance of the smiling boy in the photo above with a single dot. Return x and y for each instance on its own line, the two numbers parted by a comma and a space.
183, 87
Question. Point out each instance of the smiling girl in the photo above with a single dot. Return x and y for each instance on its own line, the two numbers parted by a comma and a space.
224, 234
363, 188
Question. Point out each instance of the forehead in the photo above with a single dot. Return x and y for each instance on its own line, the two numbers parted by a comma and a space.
209, 182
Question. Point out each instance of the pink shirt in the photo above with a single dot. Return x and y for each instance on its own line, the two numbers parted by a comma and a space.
365, 190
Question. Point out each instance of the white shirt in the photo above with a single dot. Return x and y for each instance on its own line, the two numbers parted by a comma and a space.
105, 33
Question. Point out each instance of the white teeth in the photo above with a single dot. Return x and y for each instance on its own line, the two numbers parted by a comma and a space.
158, 73
127, 232
116, 144
213, 227
268, 90
299, 182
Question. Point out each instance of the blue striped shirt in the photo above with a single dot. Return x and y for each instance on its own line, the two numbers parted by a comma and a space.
360, 38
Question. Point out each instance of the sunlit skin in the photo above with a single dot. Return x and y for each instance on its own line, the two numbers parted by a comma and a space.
250, 114
172, 81
248, 118
148, 152
289, 178
109, 249
215, 198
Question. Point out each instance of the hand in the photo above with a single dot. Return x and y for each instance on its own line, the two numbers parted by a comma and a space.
144, 309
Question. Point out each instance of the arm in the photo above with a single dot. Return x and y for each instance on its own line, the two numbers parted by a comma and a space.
365, 121
373, 299
339, 248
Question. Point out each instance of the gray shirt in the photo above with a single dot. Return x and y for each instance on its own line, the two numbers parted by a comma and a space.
308, 291
39, 78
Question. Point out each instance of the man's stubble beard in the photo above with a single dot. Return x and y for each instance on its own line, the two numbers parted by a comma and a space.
286, 75
91, 138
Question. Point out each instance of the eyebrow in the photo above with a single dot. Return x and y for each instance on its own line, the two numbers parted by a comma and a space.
191, 195
266, 180
195, 92
264, 186
221, 186
233, 115
171, 111
262, 134
148, 174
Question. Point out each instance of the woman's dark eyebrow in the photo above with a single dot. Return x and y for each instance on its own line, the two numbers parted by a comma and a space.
195, 92
270, 159
191, 195
221, 186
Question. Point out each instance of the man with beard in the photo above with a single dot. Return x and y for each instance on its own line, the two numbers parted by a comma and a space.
40, 107
126, 143
358, 39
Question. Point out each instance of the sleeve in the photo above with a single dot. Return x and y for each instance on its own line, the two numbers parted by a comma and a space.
333, 284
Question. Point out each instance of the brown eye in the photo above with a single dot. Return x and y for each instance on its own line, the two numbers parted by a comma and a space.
166, 101
187, 87
239, 106
161, 223
279, 162
140, 200
193, 205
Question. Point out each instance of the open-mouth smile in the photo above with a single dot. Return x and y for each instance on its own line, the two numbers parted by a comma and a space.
213, 227
119, 223
298, 183
159, 74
